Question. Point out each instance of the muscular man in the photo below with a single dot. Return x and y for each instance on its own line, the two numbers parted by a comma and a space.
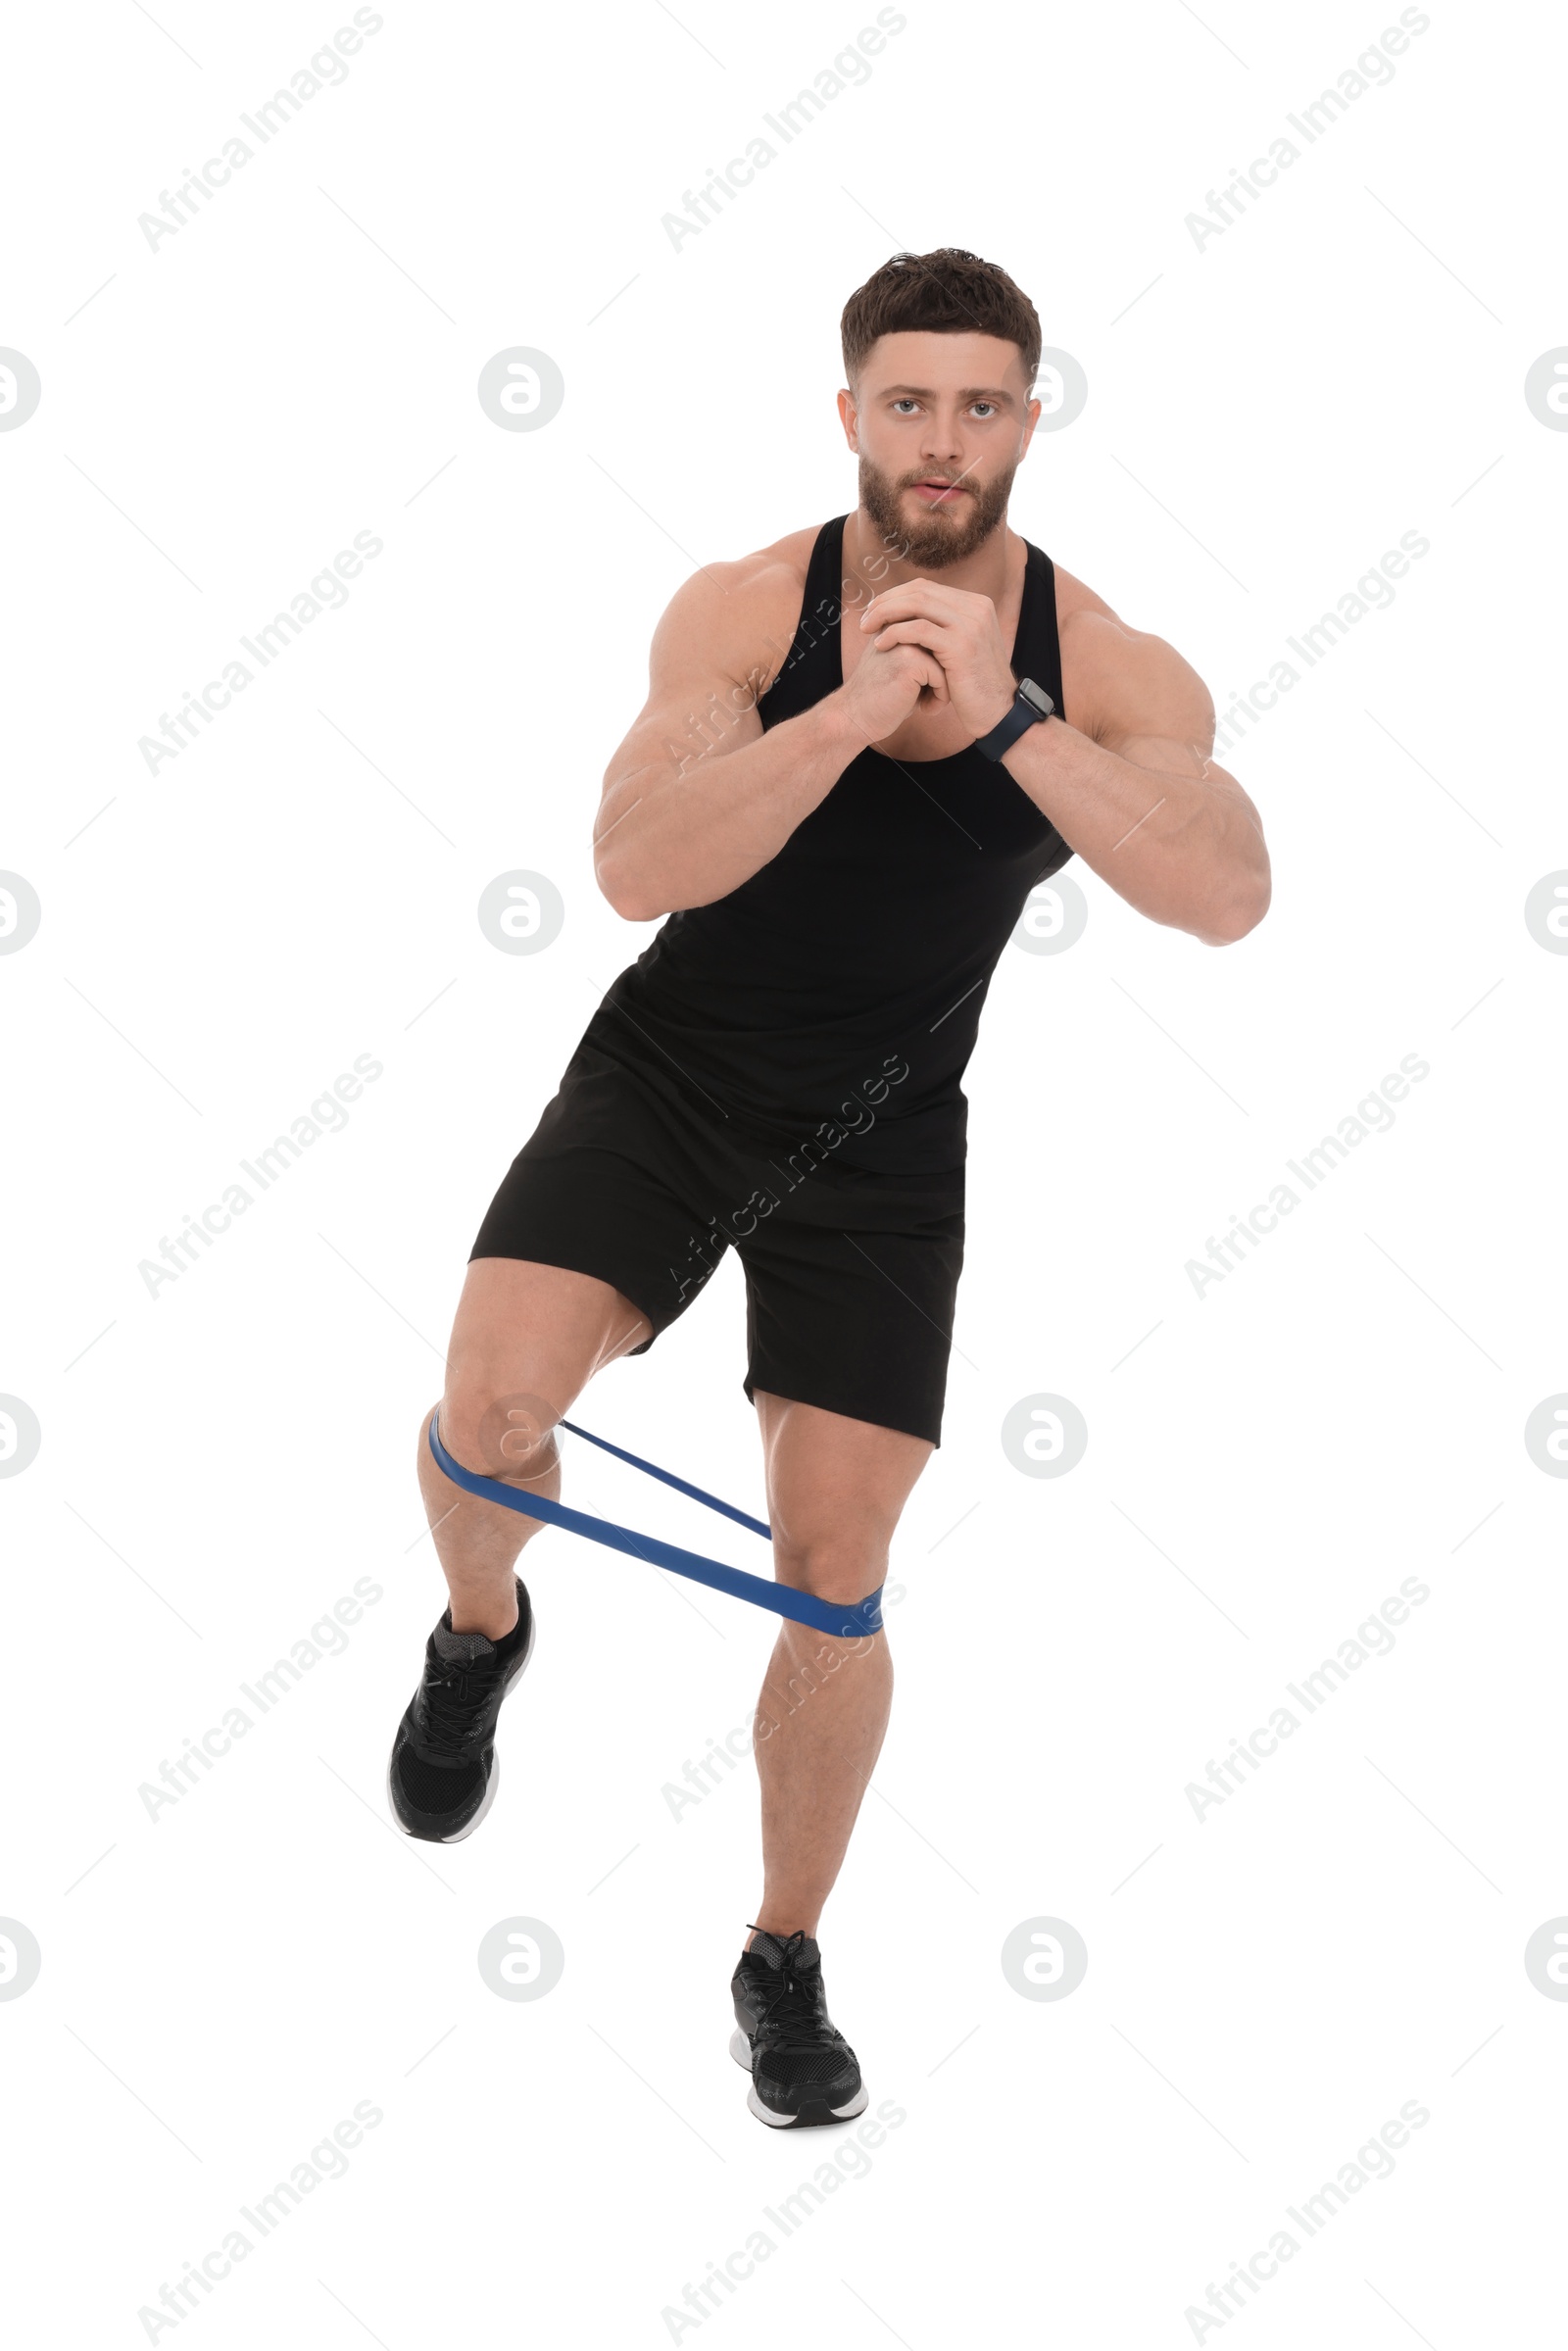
861, 750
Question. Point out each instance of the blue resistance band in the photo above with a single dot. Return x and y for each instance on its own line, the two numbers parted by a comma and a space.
801, 1608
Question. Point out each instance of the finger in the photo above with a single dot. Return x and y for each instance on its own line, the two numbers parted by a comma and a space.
924, 632
909, 597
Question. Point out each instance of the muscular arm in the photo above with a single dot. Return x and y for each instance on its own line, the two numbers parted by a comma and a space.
697, 798
1132, 787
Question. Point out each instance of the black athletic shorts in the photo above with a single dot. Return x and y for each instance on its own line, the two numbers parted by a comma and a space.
851, 1276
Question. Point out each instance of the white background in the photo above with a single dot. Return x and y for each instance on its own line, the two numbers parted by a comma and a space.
219, 1463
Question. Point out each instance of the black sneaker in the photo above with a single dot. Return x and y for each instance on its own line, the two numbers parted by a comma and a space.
443, 1775
803, 2068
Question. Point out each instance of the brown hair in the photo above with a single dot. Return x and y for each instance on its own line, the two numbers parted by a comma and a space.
945, 292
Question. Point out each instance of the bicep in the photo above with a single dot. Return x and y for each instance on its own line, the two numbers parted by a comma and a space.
1142, 694
1153, 710
701, 689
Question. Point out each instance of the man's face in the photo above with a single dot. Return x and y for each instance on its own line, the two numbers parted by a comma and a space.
940, 424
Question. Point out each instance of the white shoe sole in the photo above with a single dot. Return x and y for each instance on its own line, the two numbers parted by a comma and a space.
740, 2048
489, 1796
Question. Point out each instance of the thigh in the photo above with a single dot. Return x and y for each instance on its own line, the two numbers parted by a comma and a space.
517, 1315
526, 1340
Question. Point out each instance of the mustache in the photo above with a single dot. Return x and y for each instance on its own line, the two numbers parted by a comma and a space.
954, 481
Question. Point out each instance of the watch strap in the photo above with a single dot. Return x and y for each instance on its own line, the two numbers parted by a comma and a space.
1030, 705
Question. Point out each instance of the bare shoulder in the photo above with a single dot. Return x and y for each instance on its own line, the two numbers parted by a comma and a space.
1122, 682
736, 618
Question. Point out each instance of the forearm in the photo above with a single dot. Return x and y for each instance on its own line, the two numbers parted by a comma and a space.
683, 838
1180, 844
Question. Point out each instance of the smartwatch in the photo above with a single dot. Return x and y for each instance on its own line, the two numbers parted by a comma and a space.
1030, 705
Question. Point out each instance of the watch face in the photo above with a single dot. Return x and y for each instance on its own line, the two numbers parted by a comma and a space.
1036, 694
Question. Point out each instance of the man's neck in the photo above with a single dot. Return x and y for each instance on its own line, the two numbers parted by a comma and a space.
986, 572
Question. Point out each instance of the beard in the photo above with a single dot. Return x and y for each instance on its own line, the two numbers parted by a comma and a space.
937, 536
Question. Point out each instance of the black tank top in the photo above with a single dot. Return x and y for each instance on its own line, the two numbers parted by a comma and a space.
830, 1003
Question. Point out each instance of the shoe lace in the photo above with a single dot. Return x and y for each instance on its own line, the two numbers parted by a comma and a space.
787, 2010
453, 1698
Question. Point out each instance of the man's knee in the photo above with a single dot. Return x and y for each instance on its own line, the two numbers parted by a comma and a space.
837, 1568
497, 1434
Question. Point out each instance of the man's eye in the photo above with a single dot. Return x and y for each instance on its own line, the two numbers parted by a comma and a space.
904, 402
